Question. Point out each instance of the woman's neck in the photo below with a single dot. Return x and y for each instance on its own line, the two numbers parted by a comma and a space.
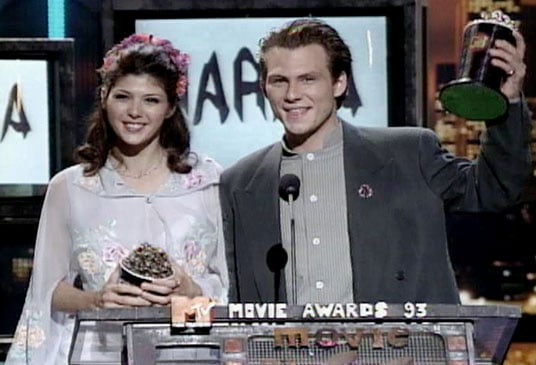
139, 164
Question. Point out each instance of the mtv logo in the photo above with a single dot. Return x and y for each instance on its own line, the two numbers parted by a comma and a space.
191, 312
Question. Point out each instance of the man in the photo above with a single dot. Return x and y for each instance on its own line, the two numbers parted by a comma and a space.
369, 218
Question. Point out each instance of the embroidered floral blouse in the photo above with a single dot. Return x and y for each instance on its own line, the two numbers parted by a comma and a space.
89, 223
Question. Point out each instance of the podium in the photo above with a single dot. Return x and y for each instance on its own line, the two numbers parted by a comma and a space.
263, 334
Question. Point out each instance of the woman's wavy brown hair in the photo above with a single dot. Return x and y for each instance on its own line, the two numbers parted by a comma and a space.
174, 134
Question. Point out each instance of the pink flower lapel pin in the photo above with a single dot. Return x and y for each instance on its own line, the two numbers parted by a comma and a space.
365, 191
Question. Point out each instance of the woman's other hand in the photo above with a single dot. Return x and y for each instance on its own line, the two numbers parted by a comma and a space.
117, 294
159, 291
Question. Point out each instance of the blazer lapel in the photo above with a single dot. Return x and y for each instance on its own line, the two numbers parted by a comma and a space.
368, 187
258, 207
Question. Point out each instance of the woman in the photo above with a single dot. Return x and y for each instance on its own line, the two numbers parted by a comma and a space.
136, 182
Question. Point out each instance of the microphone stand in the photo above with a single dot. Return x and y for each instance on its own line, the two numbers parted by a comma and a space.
293, 251
276, 259
289, 190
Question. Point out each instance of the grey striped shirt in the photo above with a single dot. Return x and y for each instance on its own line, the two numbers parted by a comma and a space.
324, 271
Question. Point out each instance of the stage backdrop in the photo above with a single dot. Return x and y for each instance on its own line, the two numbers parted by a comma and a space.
228, 115
24, 124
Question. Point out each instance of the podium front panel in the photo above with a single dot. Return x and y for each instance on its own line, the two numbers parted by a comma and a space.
442, 334
98, 342
304, 344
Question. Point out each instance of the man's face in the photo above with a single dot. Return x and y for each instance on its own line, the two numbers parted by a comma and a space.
302, 93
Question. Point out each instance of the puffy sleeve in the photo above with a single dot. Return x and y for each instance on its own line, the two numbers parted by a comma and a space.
41, 330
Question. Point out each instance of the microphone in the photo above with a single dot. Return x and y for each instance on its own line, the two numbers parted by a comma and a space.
289, 187
276, 259
289, 190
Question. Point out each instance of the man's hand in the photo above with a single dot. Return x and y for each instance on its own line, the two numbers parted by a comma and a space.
510, 58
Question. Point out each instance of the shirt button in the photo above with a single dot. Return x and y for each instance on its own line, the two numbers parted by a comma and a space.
310, 156
313, 198
316, 241
319, 285
400, 275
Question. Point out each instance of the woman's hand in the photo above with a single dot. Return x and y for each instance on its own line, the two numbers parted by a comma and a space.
116, 294
159, 291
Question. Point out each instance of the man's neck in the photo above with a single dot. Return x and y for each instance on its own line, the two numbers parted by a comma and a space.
312, 142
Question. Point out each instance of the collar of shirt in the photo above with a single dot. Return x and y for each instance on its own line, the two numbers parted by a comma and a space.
333, 138
107, 182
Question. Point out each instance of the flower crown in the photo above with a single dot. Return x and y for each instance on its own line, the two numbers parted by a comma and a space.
137, 42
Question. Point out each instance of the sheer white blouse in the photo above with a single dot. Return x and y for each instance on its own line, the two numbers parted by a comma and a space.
89, 223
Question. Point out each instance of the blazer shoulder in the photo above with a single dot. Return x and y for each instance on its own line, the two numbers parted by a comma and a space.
247, 165
393, 136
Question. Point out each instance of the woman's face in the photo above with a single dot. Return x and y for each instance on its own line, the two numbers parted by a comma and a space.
136, 107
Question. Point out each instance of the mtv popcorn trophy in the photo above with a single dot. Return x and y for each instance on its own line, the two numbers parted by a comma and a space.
476, 94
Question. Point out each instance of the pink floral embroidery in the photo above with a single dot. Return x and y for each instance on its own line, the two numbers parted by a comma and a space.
193, 179
194, 257
113, 253
197, 265
34, 337
365, 191
191, 250
89, 262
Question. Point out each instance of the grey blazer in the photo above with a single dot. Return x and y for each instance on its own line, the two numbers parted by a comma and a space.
398, 242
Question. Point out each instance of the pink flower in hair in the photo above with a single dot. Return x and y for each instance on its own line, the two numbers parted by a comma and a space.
182, 85
137, 41
108, 62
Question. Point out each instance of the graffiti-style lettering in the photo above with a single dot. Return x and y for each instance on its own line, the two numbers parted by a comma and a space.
211, 70
246, 87
22, 126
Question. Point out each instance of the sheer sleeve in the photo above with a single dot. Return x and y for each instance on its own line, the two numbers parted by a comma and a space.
40, 330
214, 282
